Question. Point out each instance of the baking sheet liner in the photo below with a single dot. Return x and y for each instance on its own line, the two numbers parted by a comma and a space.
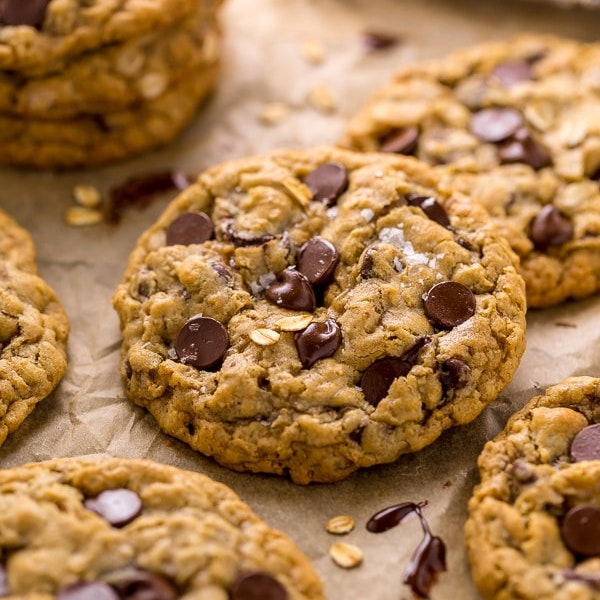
264, 62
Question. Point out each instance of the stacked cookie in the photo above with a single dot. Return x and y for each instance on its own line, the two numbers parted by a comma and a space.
33, 330
83, 83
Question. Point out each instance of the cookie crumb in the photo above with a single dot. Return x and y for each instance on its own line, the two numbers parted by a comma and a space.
347, 556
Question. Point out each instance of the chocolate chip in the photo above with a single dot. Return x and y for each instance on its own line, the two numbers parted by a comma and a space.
87, 590
495, 124
4, 588
201, 342
449, 303
595, 176
431, 207
454, 374
550, 228
23, 12
379, 376
586, 444
327, 182
523, 148
511, 72
317, 260
244, 240
403, 141
378, 40
318, 340
258, 586
119, 506
190, 228
292, 290
581, 530
136, 584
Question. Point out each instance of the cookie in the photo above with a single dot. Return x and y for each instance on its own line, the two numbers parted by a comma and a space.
534, 518
115, 77
517, 125
311, 312
33, 330
41, 36
115, 528
96, 139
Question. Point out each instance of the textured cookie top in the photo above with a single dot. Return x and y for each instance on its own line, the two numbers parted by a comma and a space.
38, 36
535, 516
518, 123
33, 330
114, 529
316, 311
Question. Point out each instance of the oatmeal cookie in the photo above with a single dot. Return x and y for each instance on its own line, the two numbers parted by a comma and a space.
111, 528
517, 125
313, 312
33, 330
534, 519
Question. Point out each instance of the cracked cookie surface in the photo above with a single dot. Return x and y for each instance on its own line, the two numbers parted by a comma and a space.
114, 528
33, 330
534, 518
517, 125
313, 312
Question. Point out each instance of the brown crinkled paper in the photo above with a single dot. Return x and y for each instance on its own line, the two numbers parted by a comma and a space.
293, 72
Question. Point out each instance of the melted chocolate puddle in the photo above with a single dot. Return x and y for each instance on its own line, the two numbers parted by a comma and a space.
428, 559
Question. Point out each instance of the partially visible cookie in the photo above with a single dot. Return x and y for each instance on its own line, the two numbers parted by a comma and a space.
313, 312
534, 519
517, 125
33, 330
113, 528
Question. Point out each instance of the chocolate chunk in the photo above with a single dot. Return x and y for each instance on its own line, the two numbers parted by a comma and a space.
243, 241
257, 586
511, 72
190, 228
119, 506
523, 148
317, 260
581, 530
87, 590
136, 584
23, 12
378, 40
403, 141
327, 182
379, 376
550, 228
449, 304
586, 444
292, 290
454, 374
495, 124
431, 207
201, 342
391, 516
318, 340
595, 176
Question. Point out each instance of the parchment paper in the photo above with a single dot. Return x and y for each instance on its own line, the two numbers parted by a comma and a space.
262, 63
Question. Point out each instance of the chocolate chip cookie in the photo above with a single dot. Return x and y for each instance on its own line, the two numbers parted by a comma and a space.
115, 529
534, 524
517, 125
312, 312
33, 330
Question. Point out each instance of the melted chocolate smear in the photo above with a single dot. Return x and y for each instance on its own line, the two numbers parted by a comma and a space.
139, 191
379, 40
428, 559
379, 376
23, 12
392, 515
